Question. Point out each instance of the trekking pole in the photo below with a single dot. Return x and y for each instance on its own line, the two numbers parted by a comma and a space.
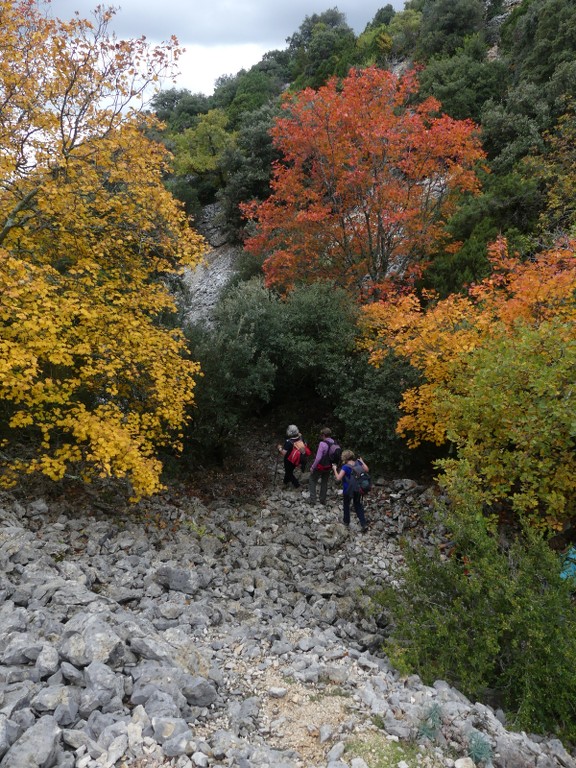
275, 469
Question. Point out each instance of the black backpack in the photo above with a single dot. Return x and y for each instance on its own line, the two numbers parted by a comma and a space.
332, 456
335, 454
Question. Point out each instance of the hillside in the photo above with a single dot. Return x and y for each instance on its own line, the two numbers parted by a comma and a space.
390, 251
186, 633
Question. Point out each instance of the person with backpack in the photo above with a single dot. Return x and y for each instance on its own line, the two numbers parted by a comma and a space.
295, 452
350, 472
327, 453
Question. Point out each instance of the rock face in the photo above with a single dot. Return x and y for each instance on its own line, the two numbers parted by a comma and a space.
185, 634
202, 286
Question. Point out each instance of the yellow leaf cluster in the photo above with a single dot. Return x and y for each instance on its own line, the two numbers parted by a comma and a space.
89, 374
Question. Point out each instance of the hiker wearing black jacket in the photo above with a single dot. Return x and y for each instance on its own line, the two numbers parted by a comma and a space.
292, 436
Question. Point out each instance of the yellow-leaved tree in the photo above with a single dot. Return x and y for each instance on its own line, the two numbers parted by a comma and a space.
92, 378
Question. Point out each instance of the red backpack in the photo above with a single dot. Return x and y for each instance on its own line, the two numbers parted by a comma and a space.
299, 452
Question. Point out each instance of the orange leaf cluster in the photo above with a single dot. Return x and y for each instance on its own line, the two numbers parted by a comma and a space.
366, 182
498, 370
437, 338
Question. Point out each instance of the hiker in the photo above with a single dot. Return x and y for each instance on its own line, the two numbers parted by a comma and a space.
322, 466
293, 440
350, 492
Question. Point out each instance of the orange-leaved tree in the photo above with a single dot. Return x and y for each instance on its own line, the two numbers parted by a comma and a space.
367, 180
92, 378
498, 369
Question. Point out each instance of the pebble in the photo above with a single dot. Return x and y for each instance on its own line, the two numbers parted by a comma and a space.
230, 635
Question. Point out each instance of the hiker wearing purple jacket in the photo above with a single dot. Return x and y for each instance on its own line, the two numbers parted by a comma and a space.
321, 467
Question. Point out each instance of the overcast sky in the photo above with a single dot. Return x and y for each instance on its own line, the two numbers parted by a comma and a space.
221, 37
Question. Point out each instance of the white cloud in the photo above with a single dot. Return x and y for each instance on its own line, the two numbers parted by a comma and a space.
202, 65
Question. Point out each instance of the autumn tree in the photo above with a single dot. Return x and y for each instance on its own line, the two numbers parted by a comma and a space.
498, 368
92, 380
366, 183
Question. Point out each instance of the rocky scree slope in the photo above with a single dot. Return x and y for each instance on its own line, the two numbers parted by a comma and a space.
200, 288
188, 632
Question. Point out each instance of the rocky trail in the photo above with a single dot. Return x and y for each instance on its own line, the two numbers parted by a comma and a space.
222, 623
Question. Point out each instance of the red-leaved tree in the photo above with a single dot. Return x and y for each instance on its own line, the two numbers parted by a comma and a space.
367, 181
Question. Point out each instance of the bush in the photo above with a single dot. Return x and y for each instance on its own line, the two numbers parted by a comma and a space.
510, 411
264, 351
238, 375
316, 341
368, 408
318, 347
490, 619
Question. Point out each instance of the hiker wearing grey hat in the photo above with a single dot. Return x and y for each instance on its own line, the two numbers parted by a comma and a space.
295, 452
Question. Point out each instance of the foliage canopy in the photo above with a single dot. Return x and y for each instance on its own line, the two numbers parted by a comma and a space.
365, 185
496, 621
91, 379
498, 367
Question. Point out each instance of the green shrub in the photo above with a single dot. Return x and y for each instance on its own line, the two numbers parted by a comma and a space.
318, 347
238, 375
510, 412
294, 355
367, 405
489, 618
316, 342
263, 350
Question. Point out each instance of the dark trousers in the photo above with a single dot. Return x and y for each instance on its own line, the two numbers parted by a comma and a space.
323, 476
356, 500
289, 474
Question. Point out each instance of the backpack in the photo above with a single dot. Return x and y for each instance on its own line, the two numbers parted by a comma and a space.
358, 481
333, 456
299, 453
